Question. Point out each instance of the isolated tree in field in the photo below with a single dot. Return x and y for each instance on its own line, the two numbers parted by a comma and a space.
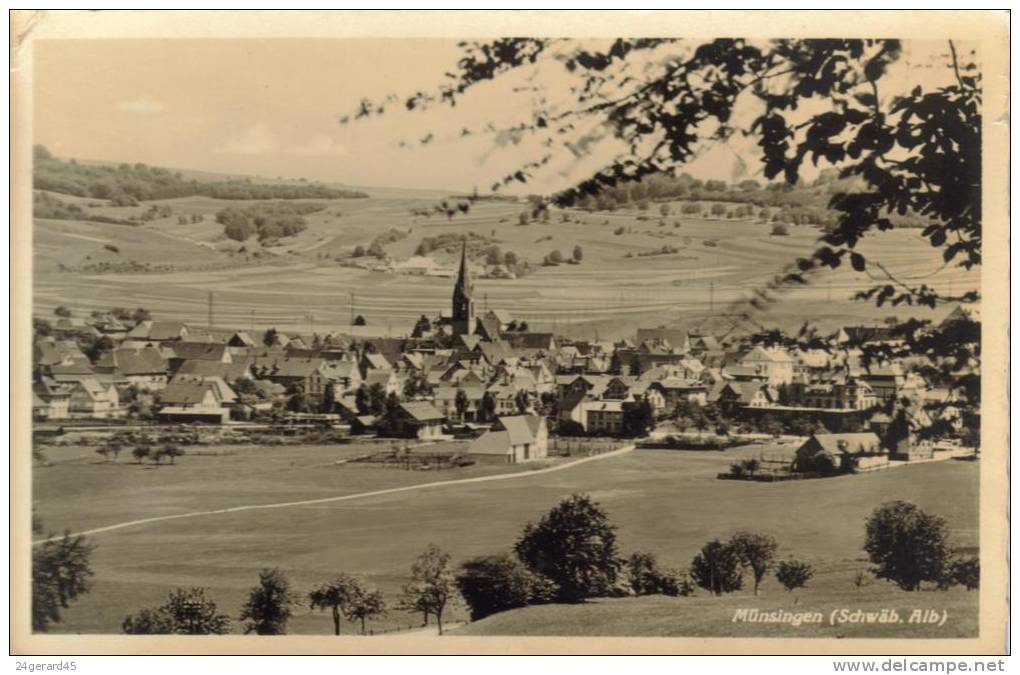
510, 259
359, 320
574, 545
431, 586
780, 230
62, 311
859, 580
268, 608
334, 597
578, 253
555, 256
756, 551
103, 452
346, 596
717, 568
494, 256
367, 604
522, 218
140, 453
494, 583
187, 611
61, 573
906, 545
793, 574
172, 452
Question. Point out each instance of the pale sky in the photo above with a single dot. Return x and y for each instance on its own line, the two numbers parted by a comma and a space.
271, 108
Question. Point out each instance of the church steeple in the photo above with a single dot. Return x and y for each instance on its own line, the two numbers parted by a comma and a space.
463, 306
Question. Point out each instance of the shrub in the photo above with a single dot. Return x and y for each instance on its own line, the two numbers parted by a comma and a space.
717, 568
907, 545
574, 545
793, 574
495, 583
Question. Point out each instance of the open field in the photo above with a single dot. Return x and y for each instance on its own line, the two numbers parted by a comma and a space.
607, 292
378, 537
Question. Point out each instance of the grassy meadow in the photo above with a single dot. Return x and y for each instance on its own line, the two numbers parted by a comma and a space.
821, 521
608, 292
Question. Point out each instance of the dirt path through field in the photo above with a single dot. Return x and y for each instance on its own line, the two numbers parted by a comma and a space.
342, 498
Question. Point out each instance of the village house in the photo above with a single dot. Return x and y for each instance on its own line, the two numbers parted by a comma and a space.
197, 351
90, 398
841, 452
512, 439
144, 368
775, 365
193, 401
417, 419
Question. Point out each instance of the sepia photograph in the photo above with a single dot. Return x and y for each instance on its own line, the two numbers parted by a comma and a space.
391, 332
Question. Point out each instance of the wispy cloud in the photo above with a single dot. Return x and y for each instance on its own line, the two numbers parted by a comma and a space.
321, 144
258, 139
142, 104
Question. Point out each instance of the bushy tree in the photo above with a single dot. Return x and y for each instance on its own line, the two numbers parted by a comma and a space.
431, 587
717, 568
347, 596
61, 573
187, 611
269, 604
574, 545
793, 574
906, 545
756, 551
644, 575
966, 571
495, 583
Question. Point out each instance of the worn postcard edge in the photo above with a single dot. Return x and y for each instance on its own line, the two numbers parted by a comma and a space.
989, 28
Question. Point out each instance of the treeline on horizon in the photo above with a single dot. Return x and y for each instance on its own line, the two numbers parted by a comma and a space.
128, 184
802, 204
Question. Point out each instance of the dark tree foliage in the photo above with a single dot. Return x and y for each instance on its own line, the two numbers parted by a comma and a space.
494, 583
187, 611
831, 101
574, 545
638, 418
966, 572
717, 568
61, 572
907, 545
268, 608
646, 577
756, 551
793, 574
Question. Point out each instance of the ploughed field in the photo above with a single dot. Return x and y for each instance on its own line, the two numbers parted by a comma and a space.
666, 502
716, 263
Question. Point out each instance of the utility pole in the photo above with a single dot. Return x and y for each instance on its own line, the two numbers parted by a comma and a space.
251, 322
711, 297
352, 307
210, 309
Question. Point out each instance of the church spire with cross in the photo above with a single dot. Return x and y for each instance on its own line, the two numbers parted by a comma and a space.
463, 304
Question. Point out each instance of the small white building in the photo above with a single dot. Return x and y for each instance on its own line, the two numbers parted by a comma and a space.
513, 439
